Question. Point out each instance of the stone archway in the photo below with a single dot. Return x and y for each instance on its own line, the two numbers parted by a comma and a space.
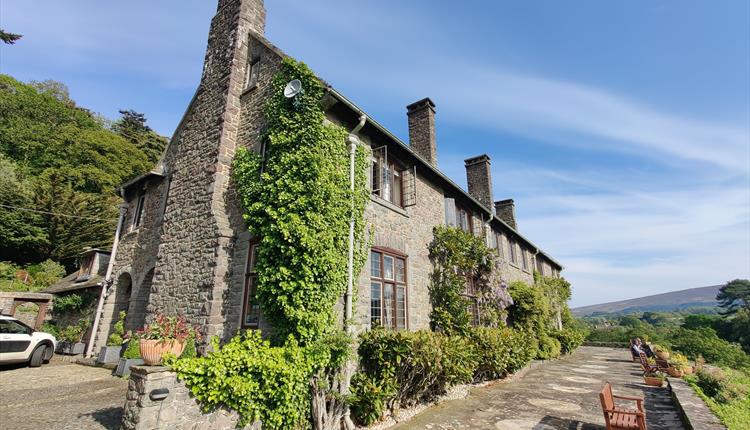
138, 303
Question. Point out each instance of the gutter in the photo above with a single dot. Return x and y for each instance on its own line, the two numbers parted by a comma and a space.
105, 283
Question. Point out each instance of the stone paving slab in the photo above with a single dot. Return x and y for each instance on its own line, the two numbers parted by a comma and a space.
561, 394
60, 395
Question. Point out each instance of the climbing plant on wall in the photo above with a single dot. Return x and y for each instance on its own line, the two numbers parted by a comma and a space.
297, 200
464, 272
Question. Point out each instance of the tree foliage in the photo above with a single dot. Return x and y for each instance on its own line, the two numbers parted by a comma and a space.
9, 38
60, 167
734, 295
132, 126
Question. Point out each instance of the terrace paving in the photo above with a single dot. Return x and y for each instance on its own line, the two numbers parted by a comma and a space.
561, 394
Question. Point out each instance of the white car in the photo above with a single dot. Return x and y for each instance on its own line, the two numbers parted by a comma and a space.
20, 343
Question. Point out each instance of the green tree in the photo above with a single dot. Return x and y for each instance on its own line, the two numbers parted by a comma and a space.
9, 38
132, 126
21, 233
734, 295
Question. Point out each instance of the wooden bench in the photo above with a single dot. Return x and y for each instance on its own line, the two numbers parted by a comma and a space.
618, 418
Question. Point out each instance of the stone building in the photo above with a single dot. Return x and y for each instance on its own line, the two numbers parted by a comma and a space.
184, 248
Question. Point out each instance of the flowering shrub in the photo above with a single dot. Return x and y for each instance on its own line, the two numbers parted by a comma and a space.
168, 328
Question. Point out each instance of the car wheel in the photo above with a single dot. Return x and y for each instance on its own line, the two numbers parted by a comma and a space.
48, 352
37, 357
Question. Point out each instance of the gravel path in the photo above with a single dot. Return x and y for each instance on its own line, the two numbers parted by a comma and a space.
562, 394
60, 396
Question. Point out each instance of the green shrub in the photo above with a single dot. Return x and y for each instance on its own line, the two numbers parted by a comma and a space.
368, 399
51, 328
717, 384
251, 377
189, 351
704, 342
570, 339
132, 350
71, 333
115, 339
549, 347
501, 351
416, 365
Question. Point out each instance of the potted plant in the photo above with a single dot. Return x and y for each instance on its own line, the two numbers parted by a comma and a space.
131, 356
680, 364
166, 334
655, 379
111, 352
71, 338
661, 352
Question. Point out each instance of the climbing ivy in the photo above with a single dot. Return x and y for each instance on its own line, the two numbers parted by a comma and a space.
297, 199
460, 258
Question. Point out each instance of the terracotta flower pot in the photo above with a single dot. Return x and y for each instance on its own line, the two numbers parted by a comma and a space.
653, 381
152, 350
675, 372
663, 355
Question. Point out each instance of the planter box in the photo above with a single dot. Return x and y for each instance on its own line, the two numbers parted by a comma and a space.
71, 348
109, 354
123, 367
654, 382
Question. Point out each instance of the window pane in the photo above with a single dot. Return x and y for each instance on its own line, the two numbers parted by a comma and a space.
388, 305
397, 182
375, 271
375, 304
400, 270
251, 257
387, 183
252, 307
400, 307
376, 180
387, 267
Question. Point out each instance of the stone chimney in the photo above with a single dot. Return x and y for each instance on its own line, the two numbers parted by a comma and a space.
252, 11
422, 129
506, 211
479, 179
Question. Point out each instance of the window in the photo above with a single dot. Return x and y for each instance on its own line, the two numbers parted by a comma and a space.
500, 245
512, 251
463, 219
524, 259
387, 290
251, 307
87, 265
14, 327
139, 211
387, 179
252, 74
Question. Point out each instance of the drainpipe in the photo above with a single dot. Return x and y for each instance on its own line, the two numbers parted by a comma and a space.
352, 138
106, 283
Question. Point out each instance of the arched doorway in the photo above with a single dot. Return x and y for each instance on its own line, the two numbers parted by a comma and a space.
138, 303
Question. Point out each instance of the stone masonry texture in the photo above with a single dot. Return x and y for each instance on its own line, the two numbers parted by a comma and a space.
479, 179
189, 253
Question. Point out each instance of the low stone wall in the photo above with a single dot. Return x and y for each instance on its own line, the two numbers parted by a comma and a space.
177, 410
695, 413
607, 344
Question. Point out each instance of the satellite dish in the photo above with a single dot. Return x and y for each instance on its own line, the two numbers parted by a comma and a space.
293, 88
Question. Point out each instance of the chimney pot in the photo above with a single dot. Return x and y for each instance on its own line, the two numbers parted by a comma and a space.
422, 139
506, 211
479, 179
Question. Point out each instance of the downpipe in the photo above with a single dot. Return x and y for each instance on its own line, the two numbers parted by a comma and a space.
352, 139
106, 283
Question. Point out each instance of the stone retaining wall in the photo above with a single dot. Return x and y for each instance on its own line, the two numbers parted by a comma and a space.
178, 410
695, 413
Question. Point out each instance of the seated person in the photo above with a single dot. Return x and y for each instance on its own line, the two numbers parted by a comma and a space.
639, 347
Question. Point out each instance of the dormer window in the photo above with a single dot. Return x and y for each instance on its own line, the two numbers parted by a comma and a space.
252, 74
87, 265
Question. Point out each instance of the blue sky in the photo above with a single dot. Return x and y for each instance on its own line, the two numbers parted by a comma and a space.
622, 130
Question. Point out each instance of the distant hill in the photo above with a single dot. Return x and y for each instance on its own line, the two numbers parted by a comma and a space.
703, 297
